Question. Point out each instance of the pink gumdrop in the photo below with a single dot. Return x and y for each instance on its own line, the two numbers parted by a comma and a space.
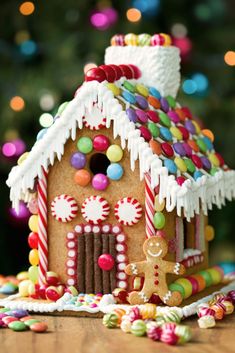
101, 143
106, 262
100, 181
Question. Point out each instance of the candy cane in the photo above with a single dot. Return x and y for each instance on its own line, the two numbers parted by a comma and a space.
42, 226
149, 206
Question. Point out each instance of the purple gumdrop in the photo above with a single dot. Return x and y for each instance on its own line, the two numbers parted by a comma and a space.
78, 160
131, 115
19, 313
164, 105
179, 148
142, 102
188, 149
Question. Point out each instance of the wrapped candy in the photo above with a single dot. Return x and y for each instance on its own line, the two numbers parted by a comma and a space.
206, 321
148, 311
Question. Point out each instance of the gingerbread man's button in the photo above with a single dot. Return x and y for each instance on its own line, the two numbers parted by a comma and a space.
156, 267
156, 282
156, 274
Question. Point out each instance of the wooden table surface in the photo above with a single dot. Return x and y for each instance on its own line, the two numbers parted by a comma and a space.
85, 335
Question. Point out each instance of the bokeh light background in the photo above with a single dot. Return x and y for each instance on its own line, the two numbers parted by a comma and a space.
47, 46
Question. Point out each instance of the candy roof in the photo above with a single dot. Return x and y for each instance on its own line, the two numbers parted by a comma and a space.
162, 135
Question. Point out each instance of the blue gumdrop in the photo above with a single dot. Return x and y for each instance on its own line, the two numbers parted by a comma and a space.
197, 174
115, 171
170, 165
208, 143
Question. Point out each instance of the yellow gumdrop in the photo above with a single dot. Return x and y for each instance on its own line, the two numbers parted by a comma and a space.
115, 89
33, 274
33, 223
176, 133
180, 164
33, 257
131, 39
142, 90
209, 233
114, 153
31, 289
24, 288
197, 127
214, 160
21, 276
22, 158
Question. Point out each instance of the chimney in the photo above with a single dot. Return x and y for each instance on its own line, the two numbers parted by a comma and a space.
159, 65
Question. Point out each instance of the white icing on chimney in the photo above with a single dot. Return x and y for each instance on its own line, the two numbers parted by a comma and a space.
160, 66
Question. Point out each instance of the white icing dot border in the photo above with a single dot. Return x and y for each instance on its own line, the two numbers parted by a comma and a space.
71, 262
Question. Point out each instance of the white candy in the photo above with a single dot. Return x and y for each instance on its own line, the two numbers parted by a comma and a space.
207, 321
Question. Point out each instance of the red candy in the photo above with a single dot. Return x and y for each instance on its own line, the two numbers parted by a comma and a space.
106, 262
100, 143
204, 311
168, 334
231, 295
95, 74
197, 161
136, 71
167, 149
187, 112
184, 132
117, 70
180, 180
109, 72
157, 39
145, 133
8, 319
33, 240
127, 71
194, 284
153, 116
120, 295
53, 293
51, 278
220, 158
154, 333
134, 314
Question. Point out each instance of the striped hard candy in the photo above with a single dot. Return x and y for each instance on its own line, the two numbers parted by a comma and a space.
229, 307
138, 328
219, 311
184, 332
206, 321
171, 316
154, 332
134, 314
148, 311
144, 39
203, 311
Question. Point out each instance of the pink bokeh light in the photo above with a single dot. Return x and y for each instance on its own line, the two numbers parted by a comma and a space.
8, 149
104, 18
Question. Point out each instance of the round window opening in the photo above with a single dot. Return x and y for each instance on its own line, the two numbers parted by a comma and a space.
99, 163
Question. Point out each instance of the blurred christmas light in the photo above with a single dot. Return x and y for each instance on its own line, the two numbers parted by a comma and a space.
47, 101
20, 147
8, 149
21, 36
133, 15
179, 30
89, 66
203, 12
46, 120
11, 134
189, 86
147, 7
72, 16
27, 8
229, 58
184, 45
17, 103
104, 18
23, 212
28, 47
201, 81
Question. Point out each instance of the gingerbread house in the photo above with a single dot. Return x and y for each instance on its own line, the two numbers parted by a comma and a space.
122, 162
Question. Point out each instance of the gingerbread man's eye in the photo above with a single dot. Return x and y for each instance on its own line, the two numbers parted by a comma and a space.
151, 244
157, 244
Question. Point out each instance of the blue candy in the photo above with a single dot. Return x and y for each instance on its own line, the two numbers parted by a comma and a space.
170, 165
41, 134
208, 143
115, 171
129, 97
197, 174
154, 92
165, 133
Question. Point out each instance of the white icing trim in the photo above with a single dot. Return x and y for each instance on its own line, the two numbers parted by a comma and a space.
188, 198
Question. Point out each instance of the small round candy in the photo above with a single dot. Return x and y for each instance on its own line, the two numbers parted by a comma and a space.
190, 127
209, 233
153, 116
197, 161
188, 149
24, 288
106, 262
33, 273
184, 132
157, 39
206, 163
197, 127
132, 116
154, 102
159, 220
219, 311
200, 281
100, 181
208, 133
129, 86
180, 180
115, 89
33, 223
170, 165
53, 293
129, 97
141, 89
30, 322
154, 130
17, 326
154, 92
197, 174
215, 275
95, 74
39, 327
33, 206
167, 39
165, 133
208, 143
173, 116
214, 160
78, 160
180, 164
201, 144
141, 102
167, 149
165, 120
118, 39
100, 143
144, 39
186, 284
158, 206
114, 153
34, 257
126, 326
52, 278
131, 39
85, 145
176, 287
145, 133
229, 307
179, 149
171, 101
33, 240
207, 276
154, 332
110, 320
207, 321
176, 133
155, 146
142, 116
82, 177
164, 104
190, 166
184, 333
138, 328
194, 283
115, 171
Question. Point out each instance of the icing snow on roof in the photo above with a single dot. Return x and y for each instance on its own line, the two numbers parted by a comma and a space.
163, 136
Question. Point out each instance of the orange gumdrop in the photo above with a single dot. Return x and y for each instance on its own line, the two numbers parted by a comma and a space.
155, 146
82, 177
208, 133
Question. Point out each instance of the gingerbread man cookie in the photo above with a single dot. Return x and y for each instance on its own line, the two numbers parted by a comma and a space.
155, 269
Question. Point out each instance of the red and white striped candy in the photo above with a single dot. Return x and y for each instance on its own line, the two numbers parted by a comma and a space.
128, 211
95, 209
94, 120
205, 311
64, 208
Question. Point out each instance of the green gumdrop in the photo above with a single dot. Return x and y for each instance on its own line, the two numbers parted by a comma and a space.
159, 220
171, 101
85, 145
175, 287
190, 166
129, 86
207, 277
165, 120
213, 171
153, 128
17, 326
4, 310
110, 320
31, 322
33, 273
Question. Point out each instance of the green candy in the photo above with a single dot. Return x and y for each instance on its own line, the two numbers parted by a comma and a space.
201, 144
160, 320
129, 86
4, 310
184, 332
153, 128
110, 320
17, 326
85, 145
213, 171
159, 220
165, 120
171, 101
31, 322
190, 166
172, 316
175, 287
138, 328
62, 108
207, 277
